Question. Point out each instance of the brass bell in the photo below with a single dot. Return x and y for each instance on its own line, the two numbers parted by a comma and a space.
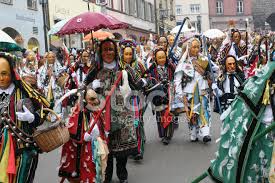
20, 134
12, 134
27, 145
7, 126
18, 140
14, 127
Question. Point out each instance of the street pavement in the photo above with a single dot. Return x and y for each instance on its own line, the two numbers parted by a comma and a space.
179, 162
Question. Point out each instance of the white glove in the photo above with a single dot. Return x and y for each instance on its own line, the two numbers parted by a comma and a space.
87, 137
214, 86
73, 74
144, 82
96, 84
26, 115
94, 134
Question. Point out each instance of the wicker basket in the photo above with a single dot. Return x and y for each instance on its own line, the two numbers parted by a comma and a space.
52, 137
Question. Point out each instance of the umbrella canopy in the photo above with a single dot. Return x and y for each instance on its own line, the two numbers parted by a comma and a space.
213, 33
56, 27
89, 21
100, 35
7, 43
184, 29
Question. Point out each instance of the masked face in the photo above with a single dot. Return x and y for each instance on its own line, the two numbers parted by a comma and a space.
5, 74
128, 55
108, 52
91, 100
51, 58
163, 43
230, 65
236, 37
85, 57
195, 49
171, 40
161, 58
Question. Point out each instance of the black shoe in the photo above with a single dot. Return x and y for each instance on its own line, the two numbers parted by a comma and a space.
138, 157
206, 139
123, 181
165, 141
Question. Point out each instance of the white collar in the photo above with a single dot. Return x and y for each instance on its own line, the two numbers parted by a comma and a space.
9, 90
111, 65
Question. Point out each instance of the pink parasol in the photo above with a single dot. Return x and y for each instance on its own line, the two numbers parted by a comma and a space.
87, 22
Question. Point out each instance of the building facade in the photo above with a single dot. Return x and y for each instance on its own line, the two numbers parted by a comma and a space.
59, 10
140, 14
196, 10
264, 14
165, 12
23, 21
221, 12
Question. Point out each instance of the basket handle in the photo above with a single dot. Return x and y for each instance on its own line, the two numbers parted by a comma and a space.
58, 119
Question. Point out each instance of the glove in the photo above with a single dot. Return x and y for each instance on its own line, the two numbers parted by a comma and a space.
87, 137
73, 74
96, 84
26, 115
94, 134
214, 86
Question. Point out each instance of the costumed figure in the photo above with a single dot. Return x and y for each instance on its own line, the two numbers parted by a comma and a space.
229, 83
253, 58
192, 78
235, 47
48, 76
84, 156
30, 70
119, 119
136, 72
246, 151
163, 72
20, 114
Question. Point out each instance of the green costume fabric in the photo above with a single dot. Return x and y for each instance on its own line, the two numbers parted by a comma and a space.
238, 160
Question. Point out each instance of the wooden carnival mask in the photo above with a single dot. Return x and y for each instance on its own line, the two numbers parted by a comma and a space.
161, 58
230, 65
5, 74
51, 58
108, 52
195, 48
128, 55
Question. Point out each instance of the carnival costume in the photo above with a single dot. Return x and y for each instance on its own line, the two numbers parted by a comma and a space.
20, 111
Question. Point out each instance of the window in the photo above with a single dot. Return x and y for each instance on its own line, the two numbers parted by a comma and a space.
141, 9
133, 7
178, 9
7, 1
110, 3
148, 11
219, 7
126, 6
32, 4
195, 8
240, 6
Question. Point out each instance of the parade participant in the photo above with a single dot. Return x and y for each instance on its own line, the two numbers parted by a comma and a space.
253, 58
48, 75
214, 49
20, 108
191, 83
229, 83
77, 159
29, 71
119, 120
247, 134
81, 68
163, 72
136, 71
235, 47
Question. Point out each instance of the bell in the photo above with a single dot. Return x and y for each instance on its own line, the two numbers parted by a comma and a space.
9, 120
20, 134
12, 134
7, 126
35, 144
14, 127
18, 140
27, 145
3, 118
5, 113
